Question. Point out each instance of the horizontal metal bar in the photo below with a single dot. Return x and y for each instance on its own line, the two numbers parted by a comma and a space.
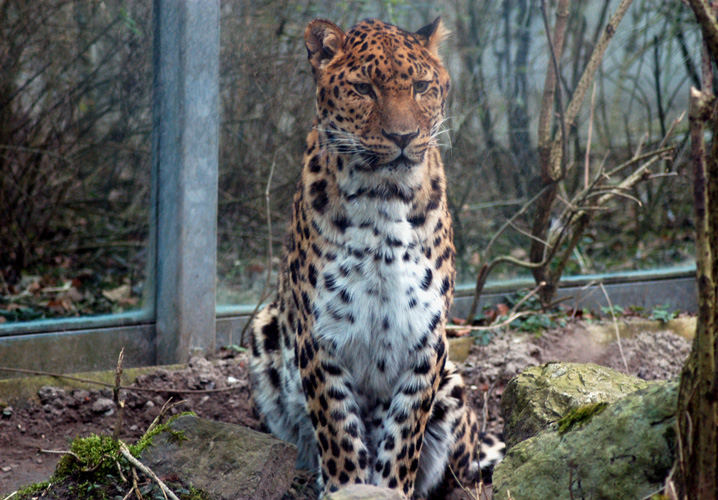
648, 275
59, 325
80, 350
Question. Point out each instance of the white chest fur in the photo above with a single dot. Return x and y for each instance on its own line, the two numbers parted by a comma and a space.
377, 298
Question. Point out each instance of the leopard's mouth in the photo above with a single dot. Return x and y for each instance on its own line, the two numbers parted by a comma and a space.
400, 162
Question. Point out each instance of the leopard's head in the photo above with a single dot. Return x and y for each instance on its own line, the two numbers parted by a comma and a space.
381, 91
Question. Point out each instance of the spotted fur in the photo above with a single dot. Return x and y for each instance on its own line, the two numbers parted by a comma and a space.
350, 361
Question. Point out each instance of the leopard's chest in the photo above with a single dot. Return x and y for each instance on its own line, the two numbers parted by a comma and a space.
375, 300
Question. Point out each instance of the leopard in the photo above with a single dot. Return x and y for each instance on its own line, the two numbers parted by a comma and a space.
349, 361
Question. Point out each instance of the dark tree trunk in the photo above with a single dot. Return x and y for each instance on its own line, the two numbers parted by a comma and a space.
698, 394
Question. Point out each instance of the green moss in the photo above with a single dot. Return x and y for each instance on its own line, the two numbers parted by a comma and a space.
94, 453
580, 415
146, 439
32, 490
99, 454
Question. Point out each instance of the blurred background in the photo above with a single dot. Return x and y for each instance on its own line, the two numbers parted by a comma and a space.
75, 140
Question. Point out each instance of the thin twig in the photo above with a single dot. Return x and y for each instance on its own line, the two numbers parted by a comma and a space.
530, 236
129, 493
116, 395
60, 452
675, 122
119, 471
515, 216
263, 295
167, 406
638, 159
492, 326
136, 486
484, 273
485, 408
467, 491
587, 161
126, 453
663, 174
615, 325
617, 191
526, 297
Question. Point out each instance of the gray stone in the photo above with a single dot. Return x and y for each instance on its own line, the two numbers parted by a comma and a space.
624, 451
223, 460
50, 395
540, 395
79, 397
103, 405
365, 492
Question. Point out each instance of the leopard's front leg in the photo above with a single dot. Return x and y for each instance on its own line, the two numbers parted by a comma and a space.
335, 415
402, 431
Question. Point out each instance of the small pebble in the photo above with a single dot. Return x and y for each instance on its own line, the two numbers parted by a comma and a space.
103, 405
81, 395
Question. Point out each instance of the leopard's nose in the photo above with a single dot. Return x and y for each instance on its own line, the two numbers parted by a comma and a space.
401, 140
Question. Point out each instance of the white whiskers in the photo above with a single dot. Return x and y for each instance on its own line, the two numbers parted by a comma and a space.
340, 141
438, 130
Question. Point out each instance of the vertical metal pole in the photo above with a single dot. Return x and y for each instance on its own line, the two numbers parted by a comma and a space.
185, 156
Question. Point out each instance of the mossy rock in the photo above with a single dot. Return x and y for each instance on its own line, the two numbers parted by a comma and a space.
223, 460
620, 450
540, 396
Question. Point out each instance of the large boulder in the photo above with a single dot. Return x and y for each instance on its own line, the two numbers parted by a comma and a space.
224, 461
540, 395
602, 451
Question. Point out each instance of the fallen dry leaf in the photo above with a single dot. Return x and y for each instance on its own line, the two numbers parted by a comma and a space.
121, 293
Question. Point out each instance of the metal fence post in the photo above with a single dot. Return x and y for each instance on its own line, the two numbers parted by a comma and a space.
185, 157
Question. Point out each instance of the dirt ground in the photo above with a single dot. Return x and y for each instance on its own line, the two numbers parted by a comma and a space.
33, 432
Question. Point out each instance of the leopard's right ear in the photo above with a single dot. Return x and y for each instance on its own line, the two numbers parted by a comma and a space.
324, 40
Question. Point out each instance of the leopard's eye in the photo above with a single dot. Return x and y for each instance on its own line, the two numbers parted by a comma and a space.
421, 86
363, 88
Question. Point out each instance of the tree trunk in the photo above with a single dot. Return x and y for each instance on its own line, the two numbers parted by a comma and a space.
698, 394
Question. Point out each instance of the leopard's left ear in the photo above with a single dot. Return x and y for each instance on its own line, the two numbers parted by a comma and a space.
432, 35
